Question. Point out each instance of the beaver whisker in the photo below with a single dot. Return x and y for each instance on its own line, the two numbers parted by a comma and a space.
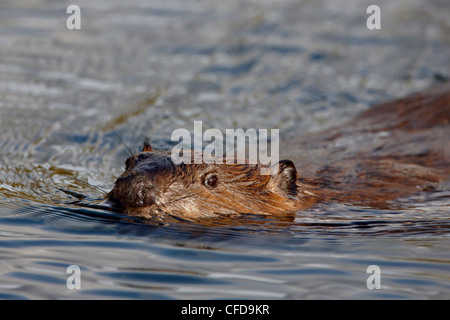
91, 185
131, 154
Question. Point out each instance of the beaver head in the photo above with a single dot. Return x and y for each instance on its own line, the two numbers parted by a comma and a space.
153, 186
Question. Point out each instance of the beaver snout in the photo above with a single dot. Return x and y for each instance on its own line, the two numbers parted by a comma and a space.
139, 185
134, 190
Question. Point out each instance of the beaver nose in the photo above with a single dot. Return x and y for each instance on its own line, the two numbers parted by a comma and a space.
134, 190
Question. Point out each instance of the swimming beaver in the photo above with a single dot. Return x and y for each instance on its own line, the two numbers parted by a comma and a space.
389, 151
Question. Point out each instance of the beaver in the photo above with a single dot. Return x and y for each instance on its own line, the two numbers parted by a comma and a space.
153, 185
389, 151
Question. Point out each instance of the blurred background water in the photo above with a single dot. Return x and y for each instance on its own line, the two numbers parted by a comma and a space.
140, 69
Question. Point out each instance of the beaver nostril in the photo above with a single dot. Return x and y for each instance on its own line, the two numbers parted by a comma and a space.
133, 191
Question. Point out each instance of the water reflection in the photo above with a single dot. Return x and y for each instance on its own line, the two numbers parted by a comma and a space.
143, 70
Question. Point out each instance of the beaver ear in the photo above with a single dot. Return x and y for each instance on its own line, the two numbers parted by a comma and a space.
147, 147
285, 177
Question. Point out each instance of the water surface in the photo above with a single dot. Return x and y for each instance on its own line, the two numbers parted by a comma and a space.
138, 70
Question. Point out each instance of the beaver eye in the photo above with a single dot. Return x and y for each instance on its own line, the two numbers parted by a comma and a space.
211, 181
